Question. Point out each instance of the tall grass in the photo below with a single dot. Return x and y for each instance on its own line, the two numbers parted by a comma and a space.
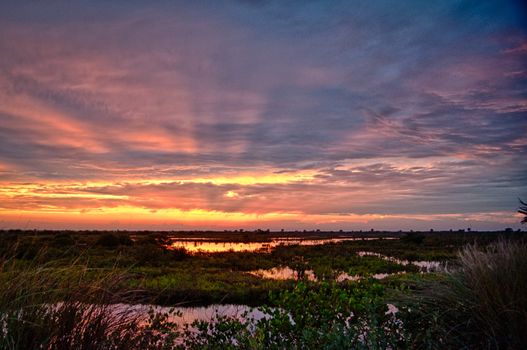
494, 282
71, 306
480, 305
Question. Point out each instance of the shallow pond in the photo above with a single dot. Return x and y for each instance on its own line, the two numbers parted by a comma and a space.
182, 315
200, 245
283, 273
287, 273
424, 265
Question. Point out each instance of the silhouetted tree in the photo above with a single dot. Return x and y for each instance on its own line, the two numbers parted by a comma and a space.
523, 210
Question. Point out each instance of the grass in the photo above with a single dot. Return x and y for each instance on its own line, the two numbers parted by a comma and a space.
43, 306
490, 290
200, 286
482, 304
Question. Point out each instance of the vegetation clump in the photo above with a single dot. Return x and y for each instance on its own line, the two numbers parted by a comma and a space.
481, 304
112, 241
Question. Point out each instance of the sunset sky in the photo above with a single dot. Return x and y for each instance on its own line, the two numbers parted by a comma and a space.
262, 114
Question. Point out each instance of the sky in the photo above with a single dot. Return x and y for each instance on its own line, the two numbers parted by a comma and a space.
187, 115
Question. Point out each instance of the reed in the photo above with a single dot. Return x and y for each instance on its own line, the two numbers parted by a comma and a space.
43, 306
482, 304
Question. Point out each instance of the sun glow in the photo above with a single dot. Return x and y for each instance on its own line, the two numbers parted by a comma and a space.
92, 189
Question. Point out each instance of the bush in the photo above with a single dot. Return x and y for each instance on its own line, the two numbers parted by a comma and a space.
178, 254
413, 237
108, 240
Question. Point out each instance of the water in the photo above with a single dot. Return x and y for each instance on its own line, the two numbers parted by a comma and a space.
424, 265
287, 273
182, 316
283, 273
200, 245
343, 276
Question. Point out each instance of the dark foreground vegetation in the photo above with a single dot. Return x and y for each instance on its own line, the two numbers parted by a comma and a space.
59, 290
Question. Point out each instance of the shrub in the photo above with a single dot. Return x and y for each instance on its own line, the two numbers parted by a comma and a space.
178, 254
413, 237
108, 240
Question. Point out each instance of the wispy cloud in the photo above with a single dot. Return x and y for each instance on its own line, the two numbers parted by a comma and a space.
318, 113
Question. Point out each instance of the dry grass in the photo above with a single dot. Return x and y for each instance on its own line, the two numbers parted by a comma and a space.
482, 304
491, 288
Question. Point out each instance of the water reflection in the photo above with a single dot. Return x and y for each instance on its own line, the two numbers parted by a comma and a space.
343, 276
283, 273
200, 245
287, 273
424, 265
187, 315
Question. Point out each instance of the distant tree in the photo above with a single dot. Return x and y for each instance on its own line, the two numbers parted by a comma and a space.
523, 210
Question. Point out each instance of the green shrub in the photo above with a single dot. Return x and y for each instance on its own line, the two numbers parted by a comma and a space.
327, 316
178, 254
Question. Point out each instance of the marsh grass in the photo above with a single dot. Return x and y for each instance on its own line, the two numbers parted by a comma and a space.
43, 306
491, 288
54, 298
480, 305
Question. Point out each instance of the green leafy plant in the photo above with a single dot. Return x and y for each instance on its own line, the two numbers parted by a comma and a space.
327, 316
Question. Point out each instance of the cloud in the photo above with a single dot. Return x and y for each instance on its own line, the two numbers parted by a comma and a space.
395, 109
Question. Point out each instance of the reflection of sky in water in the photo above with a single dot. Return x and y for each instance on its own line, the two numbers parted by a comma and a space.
187, 315
286, 273
198, 245
424, 265
283, 273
